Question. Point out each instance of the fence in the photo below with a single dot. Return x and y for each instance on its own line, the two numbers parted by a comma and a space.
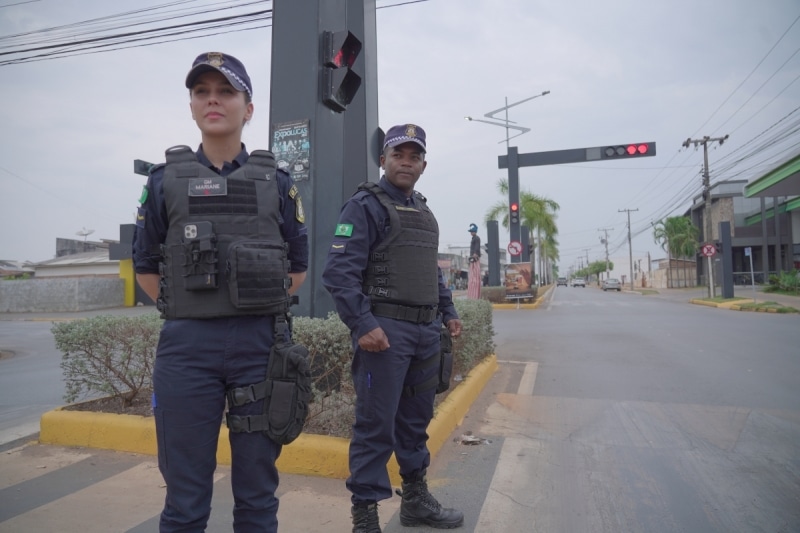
58, 295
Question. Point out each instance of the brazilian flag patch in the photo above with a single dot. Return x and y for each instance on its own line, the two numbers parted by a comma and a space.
343, 230
143, 197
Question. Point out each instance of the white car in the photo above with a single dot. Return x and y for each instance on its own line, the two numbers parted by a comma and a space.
579, 282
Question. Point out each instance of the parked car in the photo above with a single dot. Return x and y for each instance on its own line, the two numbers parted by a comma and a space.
561, 281
612, 284
579, 282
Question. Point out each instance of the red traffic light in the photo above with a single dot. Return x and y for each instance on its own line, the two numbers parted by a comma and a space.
629, 150
515, 207
339, 82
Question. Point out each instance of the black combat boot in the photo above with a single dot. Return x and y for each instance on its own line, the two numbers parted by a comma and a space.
420, 508
365, 518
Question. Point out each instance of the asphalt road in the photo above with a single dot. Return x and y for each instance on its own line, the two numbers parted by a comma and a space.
617, 412
611, 412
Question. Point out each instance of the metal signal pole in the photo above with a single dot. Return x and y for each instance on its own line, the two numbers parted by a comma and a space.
630, 248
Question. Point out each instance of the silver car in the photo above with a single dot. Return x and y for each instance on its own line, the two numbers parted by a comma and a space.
612, 284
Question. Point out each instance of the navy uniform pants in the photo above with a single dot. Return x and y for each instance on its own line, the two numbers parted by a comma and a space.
386, 420
196, 362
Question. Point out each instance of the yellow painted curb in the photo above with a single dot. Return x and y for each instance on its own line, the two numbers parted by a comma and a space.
703, 302
316, 455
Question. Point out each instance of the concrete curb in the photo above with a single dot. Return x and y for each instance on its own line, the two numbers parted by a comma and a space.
315, 455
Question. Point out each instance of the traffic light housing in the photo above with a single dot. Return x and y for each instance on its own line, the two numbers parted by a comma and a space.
514, 212
339, 82
624, 151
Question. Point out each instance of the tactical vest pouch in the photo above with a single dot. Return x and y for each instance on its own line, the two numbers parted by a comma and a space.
258, 276
200, 257
286, 392
287, 408
446, 363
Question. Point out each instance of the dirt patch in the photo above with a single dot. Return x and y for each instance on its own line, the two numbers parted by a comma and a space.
140, 405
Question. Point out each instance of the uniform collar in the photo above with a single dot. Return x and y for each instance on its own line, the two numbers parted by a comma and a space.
228, 167
395, 193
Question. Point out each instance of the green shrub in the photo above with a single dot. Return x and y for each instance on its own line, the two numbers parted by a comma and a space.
114, 356
108, 355
784, 282
477, 336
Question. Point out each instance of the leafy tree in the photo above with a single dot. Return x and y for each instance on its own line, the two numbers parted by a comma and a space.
678, 237
538, 214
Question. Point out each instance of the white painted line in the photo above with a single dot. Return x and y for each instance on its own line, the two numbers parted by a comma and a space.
528, 379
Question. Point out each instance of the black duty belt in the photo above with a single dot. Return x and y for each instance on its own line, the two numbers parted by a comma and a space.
417, 315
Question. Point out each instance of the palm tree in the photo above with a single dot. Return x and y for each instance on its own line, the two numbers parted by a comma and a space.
678, 237
537, 213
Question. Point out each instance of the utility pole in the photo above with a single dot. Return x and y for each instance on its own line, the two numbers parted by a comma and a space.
605, 241
587, 257
630, 248
707, 237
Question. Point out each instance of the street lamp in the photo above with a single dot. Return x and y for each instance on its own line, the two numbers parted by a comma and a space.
506, 123
514, 228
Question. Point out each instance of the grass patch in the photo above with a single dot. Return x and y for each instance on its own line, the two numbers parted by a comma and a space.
646, 292
721, 300
773, 307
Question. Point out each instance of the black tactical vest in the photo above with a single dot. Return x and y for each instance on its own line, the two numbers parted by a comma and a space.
403, 268
224, 254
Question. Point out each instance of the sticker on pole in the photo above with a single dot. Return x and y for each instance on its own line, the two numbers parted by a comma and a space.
709, 250
515, 248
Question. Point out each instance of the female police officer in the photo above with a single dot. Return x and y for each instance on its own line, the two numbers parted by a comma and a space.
220, 244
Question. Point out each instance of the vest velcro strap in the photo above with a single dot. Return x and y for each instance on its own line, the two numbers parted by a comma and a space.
426, 385
380, 256
427, 363
249, 394
236, 229
246, 424
416, 315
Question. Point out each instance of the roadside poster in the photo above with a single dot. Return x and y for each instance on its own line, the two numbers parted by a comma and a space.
518, 281
292, 148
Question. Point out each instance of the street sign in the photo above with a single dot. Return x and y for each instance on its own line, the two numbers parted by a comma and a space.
515, 248
709, 250
747, 251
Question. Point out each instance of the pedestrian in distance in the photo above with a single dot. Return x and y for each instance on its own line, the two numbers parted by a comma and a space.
383, 275
474, 281
220, 244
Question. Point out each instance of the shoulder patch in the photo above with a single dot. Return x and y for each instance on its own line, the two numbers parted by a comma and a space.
343, 230
299, 212
293, 192
143, 197
337, 248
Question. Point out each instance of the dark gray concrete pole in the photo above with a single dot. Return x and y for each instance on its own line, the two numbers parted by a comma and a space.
339, 158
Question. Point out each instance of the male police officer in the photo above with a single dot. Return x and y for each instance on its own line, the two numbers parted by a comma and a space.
383, 275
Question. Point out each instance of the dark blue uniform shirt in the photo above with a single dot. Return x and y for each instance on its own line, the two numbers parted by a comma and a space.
152, 223
347, 258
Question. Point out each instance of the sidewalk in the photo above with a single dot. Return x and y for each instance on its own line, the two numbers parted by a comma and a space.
699, 293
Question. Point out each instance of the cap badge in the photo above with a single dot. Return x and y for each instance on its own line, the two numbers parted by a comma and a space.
215, 59
411, 130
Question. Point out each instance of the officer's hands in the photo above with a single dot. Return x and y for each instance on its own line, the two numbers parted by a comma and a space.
376, 341
454, 327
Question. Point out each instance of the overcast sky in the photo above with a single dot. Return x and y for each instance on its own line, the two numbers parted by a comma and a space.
617, 71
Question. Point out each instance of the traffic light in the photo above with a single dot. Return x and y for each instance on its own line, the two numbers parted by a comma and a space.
514, 210
629, 150
339, 82
142, 167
